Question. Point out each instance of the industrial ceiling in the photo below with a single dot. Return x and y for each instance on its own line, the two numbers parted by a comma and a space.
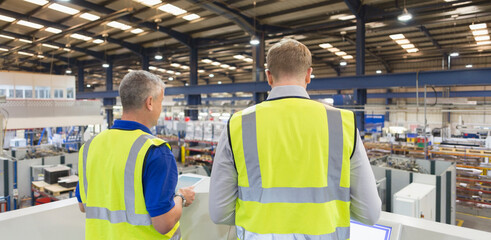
50, 36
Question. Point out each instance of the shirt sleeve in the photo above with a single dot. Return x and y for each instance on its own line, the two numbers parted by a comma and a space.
223, 184
159, 180
77, 194
365, 202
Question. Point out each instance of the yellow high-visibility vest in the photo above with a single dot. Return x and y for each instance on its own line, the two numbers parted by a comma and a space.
111, 189
293, 161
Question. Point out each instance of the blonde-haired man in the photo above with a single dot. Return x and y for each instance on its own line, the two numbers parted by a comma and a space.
292, 168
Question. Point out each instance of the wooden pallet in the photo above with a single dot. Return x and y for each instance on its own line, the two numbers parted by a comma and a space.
39, 185
57, 190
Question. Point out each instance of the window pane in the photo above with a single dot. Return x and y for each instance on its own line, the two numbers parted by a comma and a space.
28, 93
2, 92
70, 93
11, 93
19, 93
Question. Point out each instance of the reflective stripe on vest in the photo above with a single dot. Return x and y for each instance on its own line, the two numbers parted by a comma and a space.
129, 215
340, 233
255, 192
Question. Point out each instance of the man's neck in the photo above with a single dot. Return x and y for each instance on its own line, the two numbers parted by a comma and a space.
136, 116
288, 83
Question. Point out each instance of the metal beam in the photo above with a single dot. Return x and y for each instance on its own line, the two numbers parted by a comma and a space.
244, 22
193, 99
181, 37
465, 77
428, 35
355, 6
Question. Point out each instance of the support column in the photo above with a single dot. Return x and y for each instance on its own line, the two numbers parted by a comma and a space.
109, 102
145, 62
195, 99
258, 75
80, 78
388, 101
360, 95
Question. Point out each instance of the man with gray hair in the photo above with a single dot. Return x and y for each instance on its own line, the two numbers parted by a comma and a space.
127, 176
291, 168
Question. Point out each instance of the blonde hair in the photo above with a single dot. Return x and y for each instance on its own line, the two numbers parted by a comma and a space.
288, 57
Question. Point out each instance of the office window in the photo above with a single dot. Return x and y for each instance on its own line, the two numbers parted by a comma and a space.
58, 93
43, 92
70, 93
19, 93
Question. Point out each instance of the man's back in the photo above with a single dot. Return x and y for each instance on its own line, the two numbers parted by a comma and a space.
292, 157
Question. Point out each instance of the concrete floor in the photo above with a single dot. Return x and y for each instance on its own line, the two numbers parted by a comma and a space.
474, 222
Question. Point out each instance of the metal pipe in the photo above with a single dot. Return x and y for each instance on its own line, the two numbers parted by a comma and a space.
424, 130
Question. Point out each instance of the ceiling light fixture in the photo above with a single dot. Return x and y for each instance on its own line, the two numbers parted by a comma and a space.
405, 16
53, 30
116, 24
211, 75
224, 66
98, 41
89, 16
348, 17
6, 19
201, 71
170, 79
343, 63
63, 9
158, 56
312, 76
232, 68
105, 65
7, 37
484, 43
169, 8
480, 32
468, 66
325, 45
412, 50
137, 31
249, 60
378, 71
478, 26
219, 82
348, 57
25, 40
50, 46
397, 36
402, 41
153, 68
340, 53
30, 24
68, 71
38, 2
170, 72
175, 65
333, 50
481, 38
238, 57
254, 40
26, 54
4, 49
191, 17
80, 37
454, 54
407, 46
206, 60
215, 63
149, 3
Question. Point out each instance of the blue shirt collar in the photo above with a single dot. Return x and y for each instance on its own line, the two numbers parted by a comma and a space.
130, 125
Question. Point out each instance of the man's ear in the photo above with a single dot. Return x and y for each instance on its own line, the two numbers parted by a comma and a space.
149, 103
307, 77
269, 76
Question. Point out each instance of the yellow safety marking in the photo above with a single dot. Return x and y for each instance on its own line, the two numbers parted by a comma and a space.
460, 222
473, 215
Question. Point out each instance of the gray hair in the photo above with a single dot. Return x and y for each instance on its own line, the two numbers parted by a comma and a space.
137, 86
